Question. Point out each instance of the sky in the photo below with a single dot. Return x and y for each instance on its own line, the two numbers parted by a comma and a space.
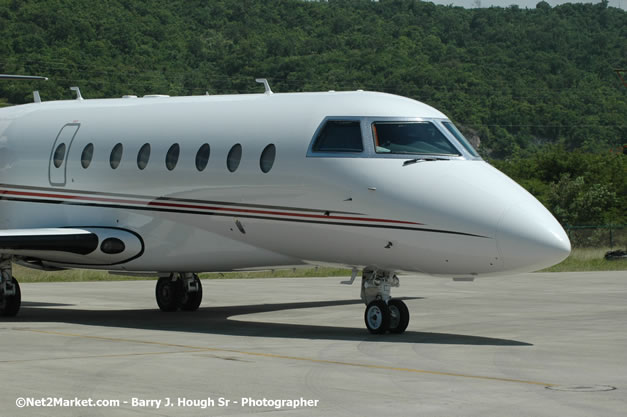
531, 4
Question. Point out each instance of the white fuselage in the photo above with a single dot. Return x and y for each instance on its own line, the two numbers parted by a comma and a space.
454, 217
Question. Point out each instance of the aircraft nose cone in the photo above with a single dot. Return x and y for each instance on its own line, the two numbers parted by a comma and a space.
529, 238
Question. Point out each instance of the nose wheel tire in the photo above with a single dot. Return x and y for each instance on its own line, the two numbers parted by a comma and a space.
191, 300
399, 316
11, 303
167, 294
377, 317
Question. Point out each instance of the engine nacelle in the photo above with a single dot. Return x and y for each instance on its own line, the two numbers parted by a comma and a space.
80, 246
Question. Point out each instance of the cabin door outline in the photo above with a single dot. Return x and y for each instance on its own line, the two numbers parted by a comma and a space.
58, 175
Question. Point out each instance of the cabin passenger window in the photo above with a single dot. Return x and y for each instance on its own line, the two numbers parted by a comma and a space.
339, 136
59, 155
87, 155
143, 156
202, 157
422, 138
172, 157
116, 156
267, 158
234, 157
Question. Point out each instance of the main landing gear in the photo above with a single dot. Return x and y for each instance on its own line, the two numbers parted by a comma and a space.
10, 294
383, 313
179, 290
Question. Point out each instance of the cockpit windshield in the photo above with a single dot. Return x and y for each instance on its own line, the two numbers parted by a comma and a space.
419, 138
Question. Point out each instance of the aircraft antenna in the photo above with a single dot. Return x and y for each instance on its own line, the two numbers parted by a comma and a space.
22, 77
78, 92
36, 96
265, 85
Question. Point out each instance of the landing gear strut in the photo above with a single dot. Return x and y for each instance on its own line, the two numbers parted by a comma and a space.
10, 294
182, 290
382, 312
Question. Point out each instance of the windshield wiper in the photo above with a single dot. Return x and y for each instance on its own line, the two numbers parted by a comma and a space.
416, 160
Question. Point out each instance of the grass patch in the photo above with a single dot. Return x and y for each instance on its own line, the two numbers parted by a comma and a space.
579, 260
588, 259
281, 273
77, 275
23, 274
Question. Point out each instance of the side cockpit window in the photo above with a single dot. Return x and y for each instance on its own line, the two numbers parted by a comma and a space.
420, 138
339, 136
458, 135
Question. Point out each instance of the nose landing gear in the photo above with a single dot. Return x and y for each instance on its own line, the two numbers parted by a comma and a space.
382, 312
10, 294
399, 316
182, 290
377, 317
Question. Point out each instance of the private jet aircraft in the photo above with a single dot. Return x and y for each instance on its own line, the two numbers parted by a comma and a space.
172, 186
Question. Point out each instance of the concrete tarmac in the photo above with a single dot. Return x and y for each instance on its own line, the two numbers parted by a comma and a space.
542, 344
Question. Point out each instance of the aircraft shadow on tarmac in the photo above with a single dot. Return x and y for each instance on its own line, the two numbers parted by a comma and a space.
221, 320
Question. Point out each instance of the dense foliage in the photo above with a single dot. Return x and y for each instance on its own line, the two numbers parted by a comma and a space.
518, 80
579, 188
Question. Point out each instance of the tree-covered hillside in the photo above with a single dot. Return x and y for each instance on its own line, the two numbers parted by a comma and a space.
517, 79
